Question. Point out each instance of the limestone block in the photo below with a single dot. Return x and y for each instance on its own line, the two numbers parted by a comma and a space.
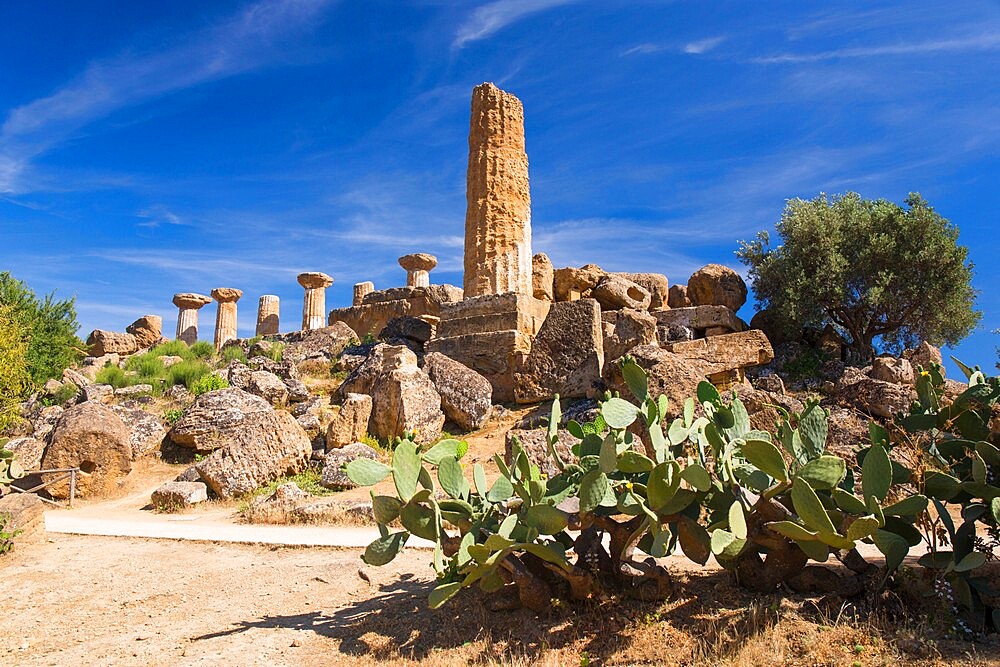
493, 313
495, 355
405, 400
678, 297
656, 284
177, 495
614, 292
333, 475
89, 436
891, 369
535, 444
570, 284
465, 394
541, 277
670, 374
148, 330
717, 285
101, 342
625, 329
924, 355
351, 423
719, 354
567, 355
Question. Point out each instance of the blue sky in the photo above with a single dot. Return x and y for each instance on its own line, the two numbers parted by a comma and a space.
148, 148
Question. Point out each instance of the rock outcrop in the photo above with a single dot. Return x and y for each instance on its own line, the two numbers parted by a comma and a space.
220, 418
717, 285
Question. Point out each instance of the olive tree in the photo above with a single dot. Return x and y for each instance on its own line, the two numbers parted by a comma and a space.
884, 274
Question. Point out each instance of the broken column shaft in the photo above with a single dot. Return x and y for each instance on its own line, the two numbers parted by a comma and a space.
314, 301
268, 315
188, 304
225, 315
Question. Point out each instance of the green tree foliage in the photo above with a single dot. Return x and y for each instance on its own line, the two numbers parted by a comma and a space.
50, 325
14, 377
885, 274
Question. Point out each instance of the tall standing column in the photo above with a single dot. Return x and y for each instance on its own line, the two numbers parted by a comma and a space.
188, 304
362, 289
267, 315
225, 315
418, 267
314, 302
498, 213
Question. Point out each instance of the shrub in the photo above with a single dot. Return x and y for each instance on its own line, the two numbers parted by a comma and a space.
172, 416
187, 373
173, 348
202, 350
7, 534
112, 375
275, 352
208, 383
234, 353
15, 378
66, 393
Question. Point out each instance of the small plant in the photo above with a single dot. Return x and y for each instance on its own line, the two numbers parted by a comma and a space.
112, 375
64, 394
308, 480
234, 353
7, 535
208, 383
172, 416
187, 372
173, 348
202, 350
275, 352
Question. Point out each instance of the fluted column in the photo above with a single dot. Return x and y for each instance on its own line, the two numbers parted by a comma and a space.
314, 301
267, 315
225, 315
188, 304
418, 267
361, 289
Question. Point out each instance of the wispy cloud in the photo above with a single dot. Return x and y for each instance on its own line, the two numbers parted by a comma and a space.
983, 42
241, 43
155, 216
703, 45
490, 18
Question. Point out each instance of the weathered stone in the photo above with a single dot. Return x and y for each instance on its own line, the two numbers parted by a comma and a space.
314, 300
268, 386
46, 422
133, 390
351, 423
297, 390
879, 398
725, 353
762, 406
218, 418
465, 394
381, 359
493, 313
172, 496
496, 355
26, 516
772, 383
891, 369
74, 377
89, 436
696, 318
567, 355
100, 393
625, 329
418, 267
405, 400
225, 314
717, 285
831, 343
101, 342
570, 284
188, 304
413, 332
325, 343
260, 448
535, 444
614, 292
27, 451
498, 214
670, 374
380, 306
924, 356
361, 290
678, 297
269, 315
541, 277
769, 324
148, 330
146, 430
51, 387
847, 432
170, 360
656, 284
333, 475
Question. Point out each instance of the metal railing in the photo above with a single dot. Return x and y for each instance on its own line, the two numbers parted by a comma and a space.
64, 474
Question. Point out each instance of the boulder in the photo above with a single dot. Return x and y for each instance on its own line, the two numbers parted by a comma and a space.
26, 513
614, 292
268, 386
924, 355
219, 418
178, 495
101, 342
333, 476
27, 451
99, 393
670, 374
717, 285
133, 390
877, 397
51, 387
46, 422
570, 284
625, 329
89, 436
170, 360
772, 383
411, 332
567, 355
382, 359
466, 396
259, 450
75, 377
542, 275
891, 369
146, 431
351, 423
678, 297
656, 284
297, 390
323, 343
535, 444
148, 330
720, 354
404, 400
847, 431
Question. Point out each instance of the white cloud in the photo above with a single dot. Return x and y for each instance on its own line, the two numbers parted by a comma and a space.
644, 49
703, 45
243, 42
983, 42
490, 18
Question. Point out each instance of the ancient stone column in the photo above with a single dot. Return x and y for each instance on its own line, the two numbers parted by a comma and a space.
225, 315
267, 315
498, 213
314, 303
188, 304
418, 267
361, 289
